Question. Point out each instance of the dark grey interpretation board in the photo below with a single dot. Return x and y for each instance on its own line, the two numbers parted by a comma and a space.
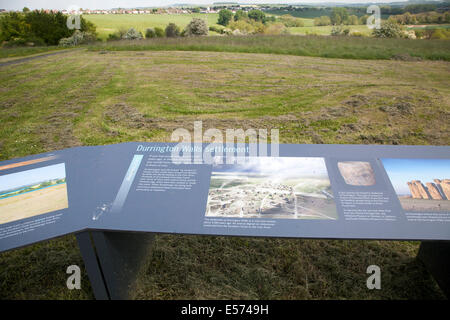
308, 191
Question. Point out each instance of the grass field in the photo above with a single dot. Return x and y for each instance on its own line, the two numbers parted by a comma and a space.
315, 46
10, 53
101, 97
326, 30
107, 24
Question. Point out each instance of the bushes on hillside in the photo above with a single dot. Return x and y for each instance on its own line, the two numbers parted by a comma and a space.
159, 32
388, 29
77, 38
257, 15
122, 33
442, 34
340, 31
290, 21
425, 17
172, 30
240, 15
197, 27
150, 33
219, 30
339, 15
38, 26
225, 17
243, 27
322, 21
132, 34
276, 29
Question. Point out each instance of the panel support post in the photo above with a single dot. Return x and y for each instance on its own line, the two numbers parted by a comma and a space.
120, 256
436, 257
92, 265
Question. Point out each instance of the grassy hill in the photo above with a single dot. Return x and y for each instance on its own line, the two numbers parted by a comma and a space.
111, 96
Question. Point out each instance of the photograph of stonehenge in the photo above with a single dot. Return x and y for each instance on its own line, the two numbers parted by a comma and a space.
422, 185
439, 190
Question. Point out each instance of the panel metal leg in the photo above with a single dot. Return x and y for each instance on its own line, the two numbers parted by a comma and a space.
113, 260
121, 256
92, 265
436, 257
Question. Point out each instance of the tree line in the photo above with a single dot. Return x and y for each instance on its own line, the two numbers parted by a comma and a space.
38, 27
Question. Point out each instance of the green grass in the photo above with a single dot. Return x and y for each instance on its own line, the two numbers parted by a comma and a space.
431, 26
108, 24
95, 98
326, 30
25, 51
308, 14
314, 46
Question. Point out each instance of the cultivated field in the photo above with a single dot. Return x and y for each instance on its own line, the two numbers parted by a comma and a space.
101, 97
107, 24
33, 203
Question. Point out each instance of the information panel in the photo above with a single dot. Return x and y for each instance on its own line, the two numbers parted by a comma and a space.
306, 191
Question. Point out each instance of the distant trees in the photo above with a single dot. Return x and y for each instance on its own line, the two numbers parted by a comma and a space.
363, 19
172, 30
159, 32
197, 27
290, 21
257, 15
150, 33
225, 17
240, 15
39, 27
338, 15
352, 20
132, 34
322, 21
421, 18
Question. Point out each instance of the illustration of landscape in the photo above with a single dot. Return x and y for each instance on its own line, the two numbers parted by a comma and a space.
422, 185
32, 192
276, 188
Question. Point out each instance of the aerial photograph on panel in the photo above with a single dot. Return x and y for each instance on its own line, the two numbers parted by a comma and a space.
420, 184
32, 192
269, 187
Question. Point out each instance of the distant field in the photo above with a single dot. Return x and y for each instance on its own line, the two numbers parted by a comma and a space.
430, 26
107, 24
33, 203
309, 14
326, 30
110, 23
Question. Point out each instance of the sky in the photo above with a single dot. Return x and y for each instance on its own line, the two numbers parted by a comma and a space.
107, 4
280, 166
401, 171
33, 176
